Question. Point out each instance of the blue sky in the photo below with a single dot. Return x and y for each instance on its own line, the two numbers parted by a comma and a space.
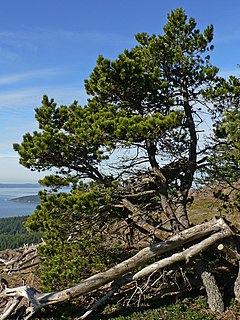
50, 47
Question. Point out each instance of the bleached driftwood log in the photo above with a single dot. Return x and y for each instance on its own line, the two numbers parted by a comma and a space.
122, 273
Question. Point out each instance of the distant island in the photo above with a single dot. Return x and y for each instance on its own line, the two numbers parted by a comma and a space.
27, 199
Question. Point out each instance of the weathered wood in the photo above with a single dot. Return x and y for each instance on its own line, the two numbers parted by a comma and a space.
214, 230
98, 303
186, 255
229, 251
23, 259
22, 267
141, 257
10, 307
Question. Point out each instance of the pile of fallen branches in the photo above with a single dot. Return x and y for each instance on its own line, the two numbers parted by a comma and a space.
19, 259
183, 247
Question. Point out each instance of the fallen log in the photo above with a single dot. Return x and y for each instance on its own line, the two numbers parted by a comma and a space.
208, 233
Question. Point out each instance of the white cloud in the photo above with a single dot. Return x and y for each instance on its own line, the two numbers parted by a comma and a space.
13, 78
32, 96
14, 45
94, 37
31, 40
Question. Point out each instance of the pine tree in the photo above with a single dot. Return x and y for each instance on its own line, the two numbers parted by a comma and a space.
130, 155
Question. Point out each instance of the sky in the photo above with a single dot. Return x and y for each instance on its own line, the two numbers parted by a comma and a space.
51, 46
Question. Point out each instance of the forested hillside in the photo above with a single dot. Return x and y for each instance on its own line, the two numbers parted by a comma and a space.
13, 234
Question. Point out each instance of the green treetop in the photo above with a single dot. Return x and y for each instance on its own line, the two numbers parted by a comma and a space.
135, 143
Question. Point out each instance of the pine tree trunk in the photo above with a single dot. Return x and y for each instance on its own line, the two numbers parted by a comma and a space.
215, 300
181, 214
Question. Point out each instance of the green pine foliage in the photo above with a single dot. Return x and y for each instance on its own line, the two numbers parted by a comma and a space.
76, 245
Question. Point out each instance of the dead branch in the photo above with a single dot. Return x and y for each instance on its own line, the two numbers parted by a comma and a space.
237, 285
140, 194
10, 307
22, 258
136, 218
119, 275
231, 252
214, 297
19, 255
186, 255
23, 267
98, 303
215, 229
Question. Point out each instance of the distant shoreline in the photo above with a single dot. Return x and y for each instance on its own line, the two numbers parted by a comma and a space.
27, 199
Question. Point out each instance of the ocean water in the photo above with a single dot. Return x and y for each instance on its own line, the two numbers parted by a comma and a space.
13, 209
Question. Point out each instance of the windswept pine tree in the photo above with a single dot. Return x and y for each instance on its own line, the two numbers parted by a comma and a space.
130, 155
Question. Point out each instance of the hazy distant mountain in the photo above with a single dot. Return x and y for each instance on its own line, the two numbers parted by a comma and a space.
19, 185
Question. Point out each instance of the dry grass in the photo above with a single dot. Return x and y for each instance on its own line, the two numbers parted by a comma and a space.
205, 206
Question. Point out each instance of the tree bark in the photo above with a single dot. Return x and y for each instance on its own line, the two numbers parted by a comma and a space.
161, 181
215, 300
181, 212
